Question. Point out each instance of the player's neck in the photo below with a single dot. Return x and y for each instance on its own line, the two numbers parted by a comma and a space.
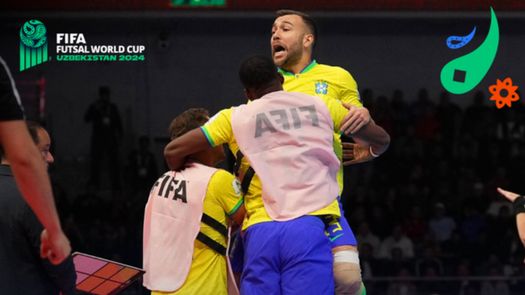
271, 88
298, 67
4, 162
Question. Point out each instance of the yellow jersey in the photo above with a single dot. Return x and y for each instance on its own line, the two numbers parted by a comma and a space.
323, 81
218, 130
327, 82
208, 268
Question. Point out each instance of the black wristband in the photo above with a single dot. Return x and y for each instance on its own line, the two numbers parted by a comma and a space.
519, 205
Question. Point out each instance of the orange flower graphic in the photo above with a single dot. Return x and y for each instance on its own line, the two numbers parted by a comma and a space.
503, 93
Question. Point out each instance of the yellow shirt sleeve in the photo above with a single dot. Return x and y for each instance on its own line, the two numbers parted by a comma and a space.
337, 111
218, 129
349, 93
226, 190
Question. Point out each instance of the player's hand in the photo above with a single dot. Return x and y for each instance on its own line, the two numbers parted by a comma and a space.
54, 247
355, 119
354, 153
509, 195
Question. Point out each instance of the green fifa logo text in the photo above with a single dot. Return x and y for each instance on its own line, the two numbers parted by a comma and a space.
33, 44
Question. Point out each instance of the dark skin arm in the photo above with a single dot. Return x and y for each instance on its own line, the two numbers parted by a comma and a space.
238, 218
359, 152
355, 153
181, 148
372, 134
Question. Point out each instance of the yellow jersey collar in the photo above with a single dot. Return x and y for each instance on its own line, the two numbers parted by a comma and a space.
312, 64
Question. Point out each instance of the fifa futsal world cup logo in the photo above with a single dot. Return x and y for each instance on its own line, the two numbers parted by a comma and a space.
33, 44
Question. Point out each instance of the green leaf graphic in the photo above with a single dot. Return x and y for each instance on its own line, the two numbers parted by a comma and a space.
462, 74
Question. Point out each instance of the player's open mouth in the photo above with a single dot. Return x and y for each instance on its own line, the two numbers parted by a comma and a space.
278, 51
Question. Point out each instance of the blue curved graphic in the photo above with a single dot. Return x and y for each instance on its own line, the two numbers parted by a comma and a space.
456, 42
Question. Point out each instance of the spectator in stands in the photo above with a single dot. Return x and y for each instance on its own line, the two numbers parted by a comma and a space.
415, 226
366, 236
142, 167
441, 224
396, 240
402, 287
105, 138
429, 261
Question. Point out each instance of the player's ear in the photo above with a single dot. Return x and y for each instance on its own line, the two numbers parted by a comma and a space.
308, 40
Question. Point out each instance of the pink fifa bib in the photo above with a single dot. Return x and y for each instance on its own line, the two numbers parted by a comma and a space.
171, 223
288, 139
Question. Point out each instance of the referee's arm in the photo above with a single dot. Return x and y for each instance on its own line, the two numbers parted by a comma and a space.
29, 169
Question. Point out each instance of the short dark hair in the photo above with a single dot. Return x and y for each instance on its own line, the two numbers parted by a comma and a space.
32, 127
257, 72
187, 121
307, 19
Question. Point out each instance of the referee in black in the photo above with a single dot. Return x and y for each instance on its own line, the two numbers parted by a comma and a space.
29, 169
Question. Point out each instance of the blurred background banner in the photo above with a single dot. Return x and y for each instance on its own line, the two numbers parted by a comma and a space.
444, 5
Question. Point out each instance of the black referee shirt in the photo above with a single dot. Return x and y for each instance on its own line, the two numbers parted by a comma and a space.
10, 106
22, 271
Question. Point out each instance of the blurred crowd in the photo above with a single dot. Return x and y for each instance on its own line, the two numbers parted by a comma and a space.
428, 207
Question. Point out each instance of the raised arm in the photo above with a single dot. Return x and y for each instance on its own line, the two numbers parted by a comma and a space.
352, 120
371, 133
179, 149
357, 117
518, 203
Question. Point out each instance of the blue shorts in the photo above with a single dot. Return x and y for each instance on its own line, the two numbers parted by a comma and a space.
236, 254
292, 257
339, 231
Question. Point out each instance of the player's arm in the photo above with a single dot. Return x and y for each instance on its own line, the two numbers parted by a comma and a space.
520, 223
179, 149
237, 212
519, 209
348, 94
215, 132
355, 153
235, 204
33, 181
226, 189
373, 135
359, 116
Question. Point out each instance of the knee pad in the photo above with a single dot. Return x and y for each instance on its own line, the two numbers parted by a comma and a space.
347, 273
